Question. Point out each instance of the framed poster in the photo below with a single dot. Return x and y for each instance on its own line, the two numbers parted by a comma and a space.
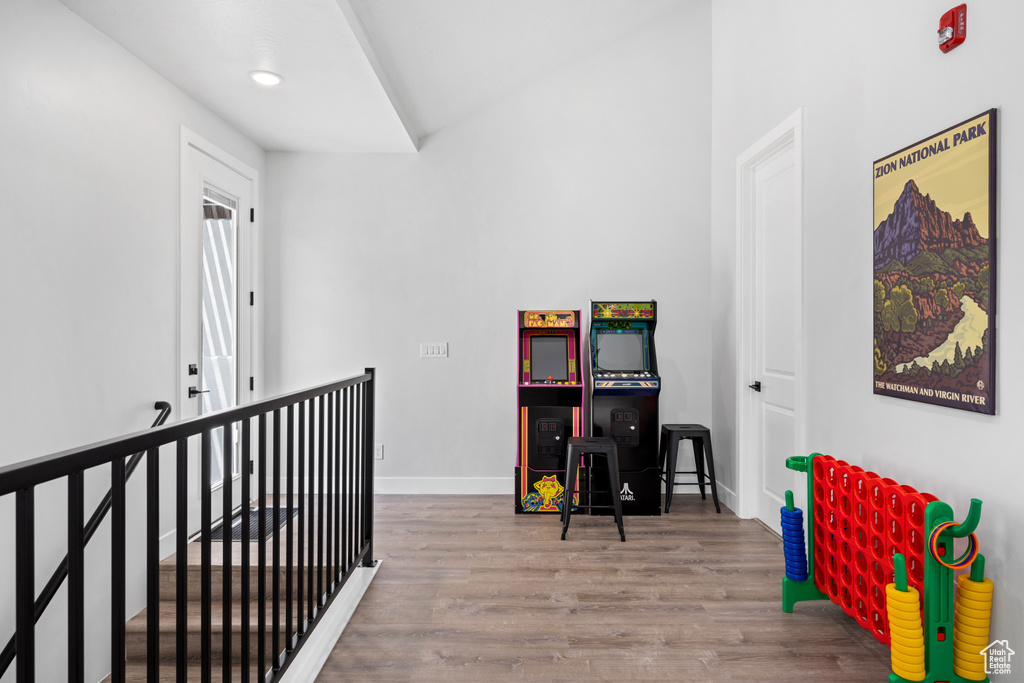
935, 268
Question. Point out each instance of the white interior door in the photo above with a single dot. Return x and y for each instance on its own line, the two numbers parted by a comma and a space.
770, 202
216, 271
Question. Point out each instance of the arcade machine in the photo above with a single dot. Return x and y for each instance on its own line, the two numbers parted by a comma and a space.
624, 400
551, 405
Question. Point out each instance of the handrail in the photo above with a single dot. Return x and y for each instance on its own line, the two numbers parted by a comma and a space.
59, 465
53, 585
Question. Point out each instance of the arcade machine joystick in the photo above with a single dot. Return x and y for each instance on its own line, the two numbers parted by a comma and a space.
551, 401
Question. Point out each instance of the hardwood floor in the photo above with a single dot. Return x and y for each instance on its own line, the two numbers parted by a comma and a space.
470, 591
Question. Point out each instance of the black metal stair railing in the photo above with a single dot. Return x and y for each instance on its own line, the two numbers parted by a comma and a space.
323, 436
61, 572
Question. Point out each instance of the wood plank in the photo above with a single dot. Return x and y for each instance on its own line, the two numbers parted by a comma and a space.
470, 591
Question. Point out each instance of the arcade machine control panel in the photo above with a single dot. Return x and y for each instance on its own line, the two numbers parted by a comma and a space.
624, 396
550, 395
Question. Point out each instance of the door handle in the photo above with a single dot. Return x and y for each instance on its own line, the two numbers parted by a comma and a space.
194, 391
756, 386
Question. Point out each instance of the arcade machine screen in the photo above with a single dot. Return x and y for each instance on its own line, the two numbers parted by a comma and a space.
549, 359
620, 351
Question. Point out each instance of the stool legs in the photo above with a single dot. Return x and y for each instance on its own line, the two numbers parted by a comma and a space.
698, 463
615, 485
711, 471
670, 470
571, 469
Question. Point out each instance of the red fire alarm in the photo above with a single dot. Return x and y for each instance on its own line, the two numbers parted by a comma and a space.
953, 28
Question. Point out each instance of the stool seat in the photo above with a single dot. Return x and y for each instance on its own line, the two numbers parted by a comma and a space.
700, 435
595, 446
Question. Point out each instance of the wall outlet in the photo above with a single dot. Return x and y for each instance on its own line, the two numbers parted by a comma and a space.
433, 349
378, 451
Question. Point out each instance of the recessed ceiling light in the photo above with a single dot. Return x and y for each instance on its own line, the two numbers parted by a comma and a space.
265, 77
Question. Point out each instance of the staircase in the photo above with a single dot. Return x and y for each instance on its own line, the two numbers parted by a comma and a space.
136, 641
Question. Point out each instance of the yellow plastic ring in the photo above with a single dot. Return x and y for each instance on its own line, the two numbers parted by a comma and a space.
984, 586
974, 604
968, 655
970, 642
905, 627
984, 600
975, 674
973, 613
912, 674
967, 658
970, 621
906, 639
892, 591
907, 635
906, 620
905, 607
977, 590
965, 630
916, 666
915, 673
981, 596
907, 656
909, 645
971, 646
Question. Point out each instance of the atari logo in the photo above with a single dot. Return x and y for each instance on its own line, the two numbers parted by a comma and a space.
625, 493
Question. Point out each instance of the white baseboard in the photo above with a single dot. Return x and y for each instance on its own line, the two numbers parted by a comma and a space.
449, 486
727, 497
167, 543
324, 637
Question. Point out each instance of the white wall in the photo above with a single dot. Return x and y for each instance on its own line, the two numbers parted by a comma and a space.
872, 80
590, 184
88, 266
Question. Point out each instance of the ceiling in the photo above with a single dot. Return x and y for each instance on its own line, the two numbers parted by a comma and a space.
360, 75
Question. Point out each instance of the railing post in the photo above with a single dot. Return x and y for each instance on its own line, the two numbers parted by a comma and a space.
289, 535
321, 493
206, 554
261, 549
25, 541
244, 547
339, 456
118, 556
76, 578
348, 535
368, 416
181, 558
152, 563
227, 465
300, 559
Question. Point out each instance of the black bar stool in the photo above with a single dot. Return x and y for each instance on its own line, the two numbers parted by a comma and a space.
578, 446
701, 437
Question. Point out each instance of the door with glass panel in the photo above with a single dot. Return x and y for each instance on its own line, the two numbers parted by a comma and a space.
215, 318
